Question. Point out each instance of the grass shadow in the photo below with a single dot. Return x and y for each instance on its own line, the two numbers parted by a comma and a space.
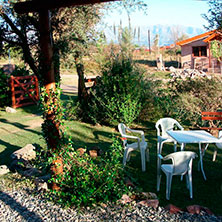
7, 152
18, 125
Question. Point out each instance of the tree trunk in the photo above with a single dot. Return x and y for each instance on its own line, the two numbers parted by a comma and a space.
82, 92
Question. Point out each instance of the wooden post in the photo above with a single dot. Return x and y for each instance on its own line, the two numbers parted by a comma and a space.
49, 82
209, 55
46, 49
149, 41
13, 91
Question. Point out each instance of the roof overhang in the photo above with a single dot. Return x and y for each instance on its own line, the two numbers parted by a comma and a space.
195, 38
39, 5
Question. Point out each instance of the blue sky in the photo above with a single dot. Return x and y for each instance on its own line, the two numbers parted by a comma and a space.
165, 12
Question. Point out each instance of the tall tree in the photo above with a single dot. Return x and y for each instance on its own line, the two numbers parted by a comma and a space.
19, 31
72, 29
214, 16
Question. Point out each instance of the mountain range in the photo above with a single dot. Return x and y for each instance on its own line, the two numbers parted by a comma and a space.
167, 34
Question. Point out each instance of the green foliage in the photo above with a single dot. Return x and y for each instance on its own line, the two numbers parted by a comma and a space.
214, 17
118, 95
216, 49
184, 99
126, 41
20, 71
85, 180
53, 115
88, 180
5, 92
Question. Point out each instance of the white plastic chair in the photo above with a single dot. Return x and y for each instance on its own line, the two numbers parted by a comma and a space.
141, 145
218, 145
181, 165
162, 126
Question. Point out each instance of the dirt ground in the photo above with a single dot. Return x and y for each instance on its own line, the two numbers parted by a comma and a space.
69, 83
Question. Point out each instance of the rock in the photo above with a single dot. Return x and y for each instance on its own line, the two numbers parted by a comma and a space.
196, 209
99, 151
10, 110
81, 151
93, 153
172, 69
149, 203
40, 184
173, 209
4, 170
187, 73
98, 125
149, 195
125, 199
208, 211
25, 153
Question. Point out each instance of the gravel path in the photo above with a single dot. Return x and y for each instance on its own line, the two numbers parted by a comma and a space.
20, 205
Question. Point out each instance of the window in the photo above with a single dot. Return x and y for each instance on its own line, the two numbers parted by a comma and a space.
200, 51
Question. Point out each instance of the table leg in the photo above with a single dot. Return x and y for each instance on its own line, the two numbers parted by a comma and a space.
201, 161
182, 146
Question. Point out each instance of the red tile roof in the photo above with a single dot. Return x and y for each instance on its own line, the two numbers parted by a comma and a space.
197, 37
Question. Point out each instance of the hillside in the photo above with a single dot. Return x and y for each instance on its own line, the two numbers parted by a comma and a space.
165, 32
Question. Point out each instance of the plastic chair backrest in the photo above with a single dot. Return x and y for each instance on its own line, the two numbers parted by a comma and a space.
165, 124
219, 145
122, 130
181, 161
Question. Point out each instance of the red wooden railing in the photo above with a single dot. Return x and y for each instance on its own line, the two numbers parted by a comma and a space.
25, 90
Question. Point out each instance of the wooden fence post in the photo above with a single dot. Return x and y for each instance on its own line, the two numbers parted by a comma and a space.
13, 91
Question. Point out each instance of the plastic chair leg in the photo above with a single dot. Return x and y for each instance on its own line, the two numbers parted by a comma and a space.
158, 148
175, 146
161, 147
126, 156
190, 184
158, 182
168, 185
143, 161
215, 154
187, 181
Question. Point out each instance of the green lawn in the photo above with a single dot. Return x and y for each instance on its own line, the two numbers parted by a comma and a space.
17, 130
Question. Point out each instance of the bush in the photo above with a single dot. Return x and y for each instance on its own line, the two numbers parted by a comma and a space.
118, 95
185, 99
5, 92
85, 180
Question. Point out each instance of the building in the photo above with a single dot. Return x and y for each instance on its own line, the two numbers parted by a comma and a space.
195, 52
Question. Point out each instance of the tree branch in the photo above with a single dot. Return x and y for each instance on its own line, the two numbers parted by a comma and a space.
13, 27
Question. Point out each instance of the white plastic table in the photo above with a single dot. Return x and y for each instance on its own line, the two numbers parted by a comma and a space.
194, 136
